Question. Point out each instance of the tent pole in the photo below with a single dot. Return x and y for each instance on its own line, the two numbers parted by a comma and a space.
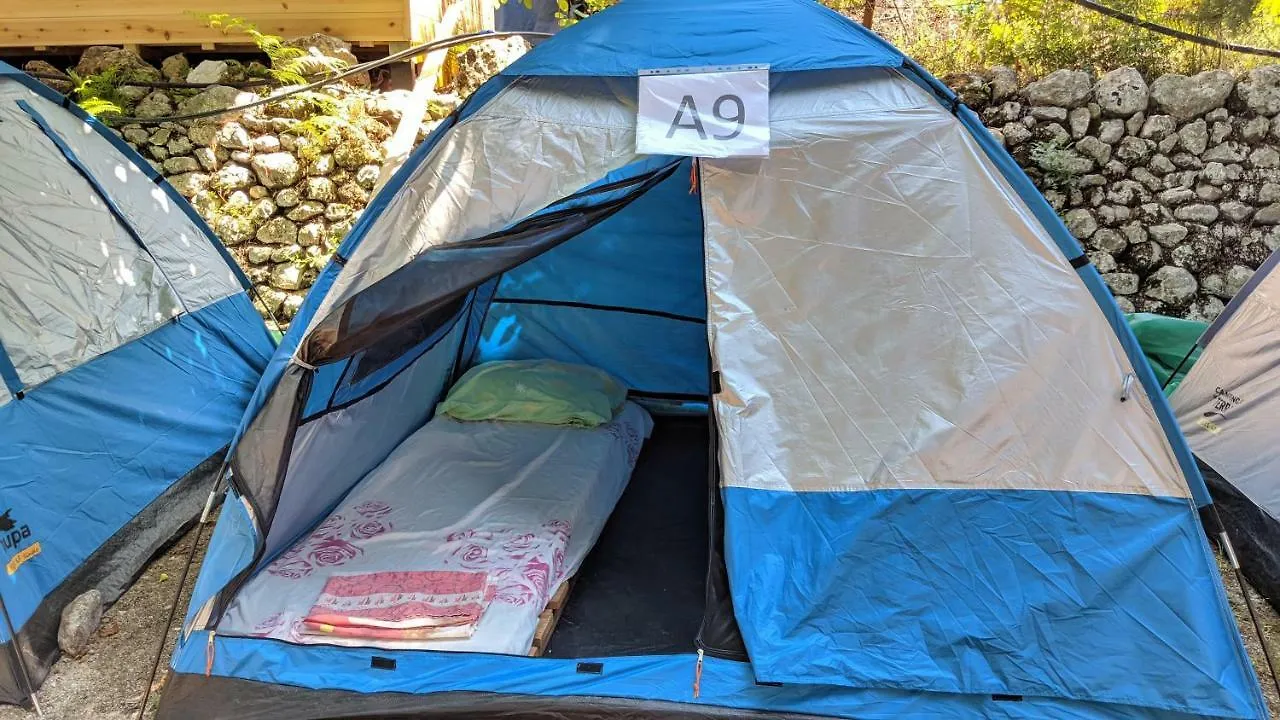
25, 676
1178, 369
177, 597
1234, 562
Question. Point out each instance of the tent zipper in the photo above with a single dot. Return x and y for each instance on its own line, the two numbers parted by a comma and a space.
209, 652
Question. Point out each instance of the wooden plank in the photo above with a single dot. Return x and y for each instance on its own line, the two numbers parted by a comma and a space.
549, 618
250, 10
560, 598
83, 31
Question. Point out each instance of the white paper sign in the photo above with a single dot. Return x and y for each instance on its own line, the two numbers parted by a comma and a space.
704, 113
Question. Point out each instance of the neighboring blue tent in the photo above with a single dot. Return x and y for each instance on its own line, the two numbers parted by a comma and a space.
128, 351
937, 478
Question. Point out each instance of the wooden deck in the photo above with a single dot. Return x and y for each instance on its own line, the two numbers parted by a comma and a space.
145, 23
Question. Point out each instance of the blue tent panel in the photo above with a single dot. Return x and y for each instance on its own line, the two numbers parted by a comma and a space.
653, 34
100, 442
1093, 596
723, 683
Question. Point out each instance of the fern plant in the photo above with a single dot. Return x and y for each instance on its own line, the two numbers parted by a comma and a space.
287, 65
99, 94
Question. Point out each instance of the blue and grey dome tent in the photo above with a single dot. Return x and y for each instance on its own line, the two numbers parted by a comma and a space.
128, 352
936, 478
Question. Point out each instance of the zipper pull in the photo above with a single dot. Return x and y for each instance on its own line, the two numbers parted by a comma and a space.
1126, 387
697, 676
208, 655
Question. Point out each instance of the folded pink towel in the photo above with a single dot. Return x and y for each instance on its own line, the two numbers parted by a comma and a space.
402, 600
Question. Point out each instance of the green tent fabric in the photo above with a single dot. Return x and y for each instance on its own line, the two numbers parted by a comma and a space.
1165, 341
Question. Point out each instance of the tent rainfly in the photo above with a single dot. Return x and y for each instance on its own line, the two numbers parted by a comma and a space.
935, 476
128, 352
1229, 408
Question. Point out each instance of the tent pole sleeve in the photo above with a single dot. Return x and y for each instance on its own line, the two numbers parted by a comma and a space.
84, 171
9, 374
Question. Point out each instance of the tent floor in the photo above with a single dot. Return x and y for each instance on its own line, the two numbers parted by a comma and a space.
641, 590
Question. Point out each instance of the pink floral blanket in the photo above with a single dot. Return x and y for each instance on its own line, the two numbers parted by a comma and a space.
402, 600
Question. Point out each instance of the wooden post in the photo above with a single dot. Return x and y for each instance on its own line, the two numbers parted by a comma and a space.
868, 13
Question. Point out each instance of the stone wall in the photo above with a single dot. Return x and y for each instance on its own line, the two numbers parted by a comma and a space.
283, 183
1172, 185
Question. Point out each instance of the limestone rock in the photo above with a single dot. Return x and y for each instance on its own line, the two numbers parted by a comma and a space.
181, 164
1081, 223
1186, 98
189, 184
206, 157
278, 231
215, 97
265, 144
288, 197
1235, 211
352, 194
484, 59
1168, 235
233, 176
1194, 136
155, 104
286, 276
210, 72
1015, 134
1227, 152
1264, 157
1205, 310
1049, 113
1132, 150
136, 135
367, 176
231, 229
1108, 240
1157, 127
175, 68
1121, 92
1110, 131
1255, 129
319, 188
276, 170
1121, 283
337, 211
1199, 213
1078, 121
1145, 256
326, 54
80, 619
305, 210
1259, 90
259, 254
126, 63
1064, 88
46, 68
1235, 279
1269, 215
1172, 285
311, 234
1003, 81
1092, 147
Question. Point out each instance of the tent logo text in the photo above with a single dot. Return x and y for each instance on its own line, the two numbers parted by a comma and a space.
1223, 400
13, 534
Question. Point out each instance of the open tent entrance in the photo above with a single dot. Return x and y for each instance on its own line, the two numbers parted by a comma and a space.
612, 278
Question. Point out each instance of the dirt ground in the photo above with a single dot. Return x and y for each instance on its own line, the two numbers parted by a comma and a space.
107, 683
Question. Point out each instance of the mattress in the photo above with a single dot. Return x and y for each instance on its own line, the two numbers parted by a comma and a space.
522, 501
